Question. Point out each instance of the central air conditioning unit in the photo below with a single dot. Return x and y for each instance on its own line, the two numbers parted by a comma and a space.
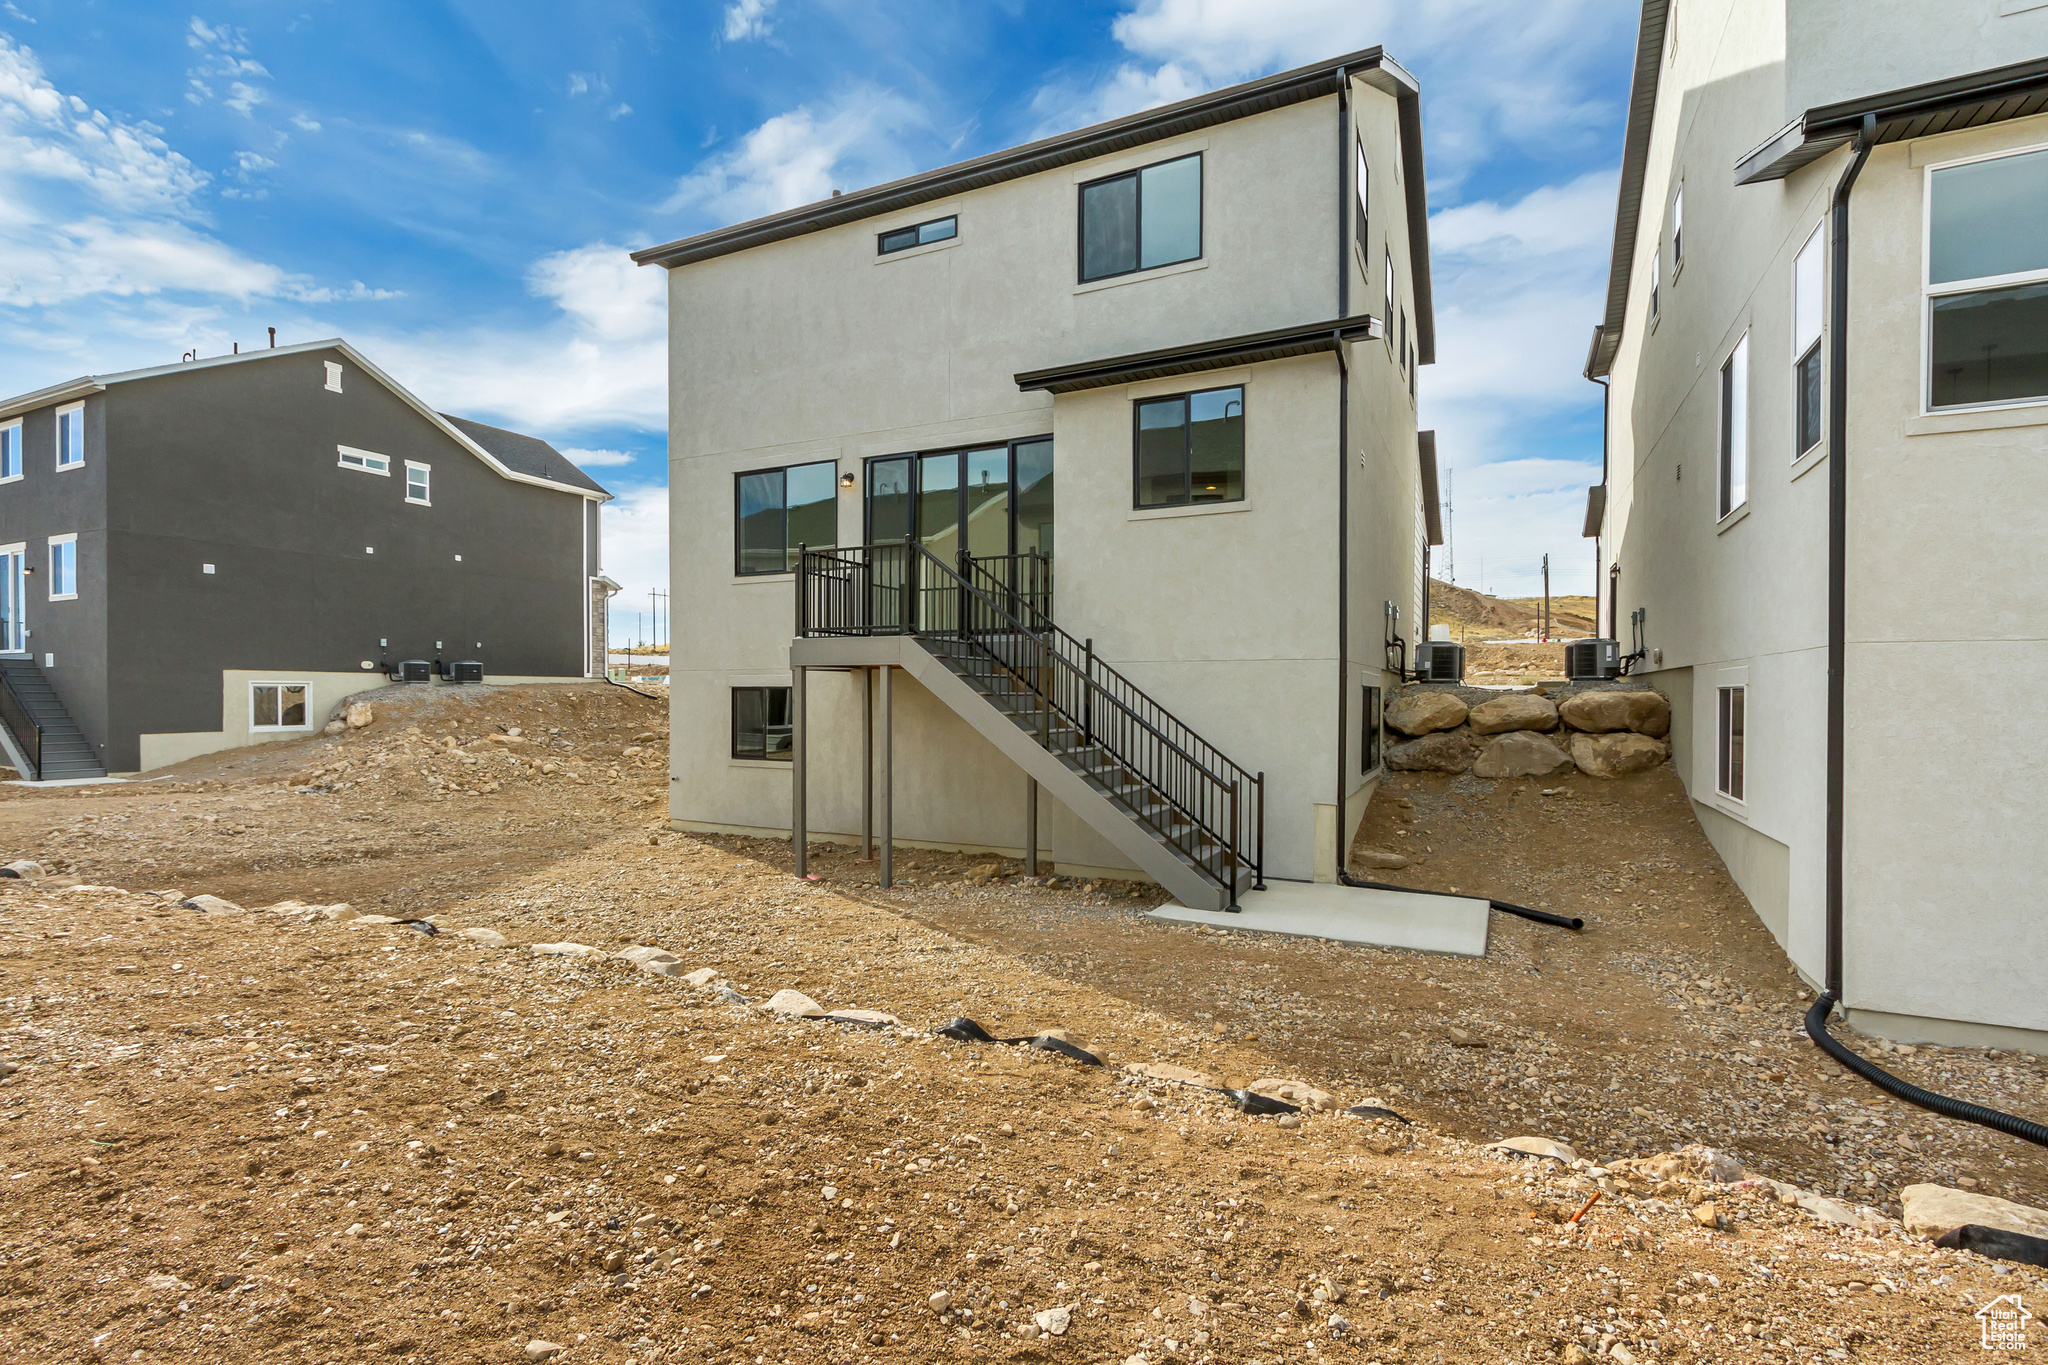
412, 671
1439, 661
466, 671
1592, 660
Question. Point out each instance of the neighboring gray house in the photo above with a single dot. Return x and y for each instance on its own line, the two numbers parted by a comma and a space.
1786, 414
213, 553
1103, 452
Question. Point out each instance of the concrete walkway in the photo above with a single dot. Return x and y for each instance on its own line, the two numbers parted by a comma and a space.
1352, 914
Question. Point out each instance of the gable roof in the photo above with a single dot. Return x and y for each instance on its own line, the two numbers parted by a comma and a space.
1371, 65
524, 466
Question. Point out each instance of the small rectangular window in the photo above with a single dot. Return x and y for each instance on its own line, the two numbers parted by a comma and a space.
1362, 192
1678, 229
1735, 429
277, 706
1987, 281
1808, 298
761, 723
1142, 219
924, 234
1729, 731
419, 483
1189, 449
1387, 315
777, 511
1369, 732
333, 376
10, 450
71, 436
1657, 283
63, 567
369, 462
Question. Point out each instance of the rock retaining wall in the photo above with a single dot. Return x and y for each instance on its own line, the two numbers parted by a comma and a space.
1604, 730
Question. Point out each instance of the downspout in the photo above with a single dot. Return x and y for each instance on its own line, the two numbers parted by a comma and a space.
1838, 651
1600, 540
1343, 466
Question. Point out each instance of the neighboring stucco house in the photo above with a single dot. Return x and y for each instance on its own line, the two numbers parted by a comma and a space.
213, 553
1760, 374
1155, 381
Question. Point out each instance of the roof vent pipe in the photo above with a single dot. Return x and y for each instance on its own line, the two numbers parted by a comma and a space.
273, 338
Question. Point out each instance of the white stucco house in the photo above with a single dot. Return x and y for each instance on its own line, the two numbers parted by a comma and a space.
1826, 486
1057, 502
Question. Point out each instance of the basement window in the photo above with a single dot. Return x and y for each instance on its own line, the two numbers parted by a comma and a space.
761, 726
1729, 726
1189, 449
1987, 281
367, 461
1369, 732
277, 706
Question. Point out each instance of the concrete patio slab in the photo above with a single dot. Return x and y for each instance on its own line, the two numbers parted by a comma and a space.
1352, 914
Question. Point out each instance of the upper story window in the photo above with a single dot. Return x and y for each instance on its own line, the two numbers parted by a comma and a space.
419, 483
63, 567
71, 436
1678, 230
1142, 219
10, 450
924, 234
1735, 429
368, 461
1809, 293
1362, 189
333, 384
780, 510
1387, 312
1190, 449
1987, 281
1657, 283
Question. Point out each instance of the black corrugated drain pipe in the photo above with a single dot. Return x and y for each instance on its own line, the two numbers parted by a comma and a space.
1505, 907
1838, 651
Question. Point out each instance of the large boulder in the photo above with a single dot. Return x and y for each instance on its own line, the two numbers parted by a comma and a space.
1603, 712
1518, 711
1422, 712
359, 715
1520, 754
1616, 755
1438, 753
1930, 1210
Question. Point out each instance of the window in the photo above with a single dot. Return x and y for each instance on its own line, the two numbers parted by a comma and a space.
1369, 732
71, 436
367, 461
63, 567
761, 723
1735, 429
277, 706
1678, 230
1657, 283
1361, 187
1142, 219
782, 509
333, 376
1987, 281
924, 234
10, 450
1402, 352
1808, 295
13, 597
418, 483
1387, 313
1190, 448
1728, 731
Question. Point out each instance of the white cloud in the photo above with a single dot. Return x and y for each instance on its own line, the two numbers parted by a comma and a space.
223, 56
1059, 107
803, 155
635, 553
746, 19
618, 111
595, 459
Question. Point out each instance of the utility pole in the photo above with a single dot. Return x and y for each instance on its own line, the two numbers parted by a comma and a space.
1546, 599
1450, 540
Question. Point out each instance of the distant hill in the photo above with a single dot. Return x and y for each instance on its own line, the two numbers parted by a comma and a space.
1476, 615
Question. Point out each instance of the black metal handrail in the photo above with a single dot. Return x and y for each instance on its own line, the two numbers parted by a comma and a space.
29, 735
994, 612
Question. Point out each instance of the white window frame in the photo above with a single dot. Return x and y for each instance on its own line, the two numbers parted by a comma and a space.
1731, 429
76, 412
426, 472
69, 538
11, 429
1930, 292
1735, 681
364, 461
333, 384
19, 549
1815, 241
280, 684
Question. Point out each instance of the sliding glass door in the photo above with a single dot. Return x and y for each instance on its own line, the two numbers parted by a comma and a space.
1000, 498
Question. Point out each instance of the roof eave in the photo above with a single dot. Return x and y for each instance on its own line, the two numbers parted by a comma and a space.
1635, 160
1432, 507
68, 391
1251, 349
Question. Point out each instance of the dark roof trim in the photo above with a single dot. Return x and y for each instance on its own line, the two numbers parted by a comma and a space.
1596, 509
1635, 161
1208, 355
1945, 106
1432, 510
1370, 65
526, 454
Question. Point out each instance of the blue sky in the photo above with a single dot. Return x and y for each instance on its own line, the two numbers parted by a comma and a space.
453, 186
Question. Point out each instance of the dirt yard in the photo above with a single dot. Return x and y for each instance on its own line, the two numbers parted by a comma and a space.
284, 1134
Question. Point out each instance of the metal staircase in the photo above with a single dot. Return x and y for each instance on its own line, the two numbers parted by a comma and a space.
44, 743
1118, 759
